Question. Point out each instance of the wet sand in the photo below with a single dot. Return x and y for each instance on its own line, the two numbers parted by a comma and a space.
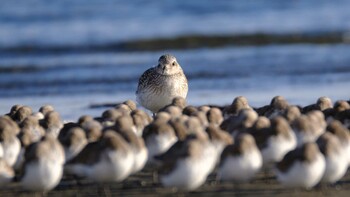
141, 184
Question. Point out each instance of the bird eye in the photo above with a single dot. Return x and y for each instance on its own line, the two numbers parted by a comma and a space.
174, 63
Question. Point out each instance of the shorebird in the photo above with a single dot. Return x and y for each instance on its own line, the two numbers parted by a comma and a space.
302, 167
318, 122
202, 117
93, 129
335, 157
43, 165
189, 110
159, 85
194, 126
162, 117
276, 107
340, 111
13, 110
261, 123
140, 119
180, 102
45, 109
31, 132
131, 104
343, 134
322, 104
73, 142
124, 108
276, 141
344, 117
204, 108
215, 116
241, 160
174, 111
291, 113
185, 164
241, 122
109, 159
239, 103
179, 127
218, 140
159, 137
109, 117
125, 127
307, 129
52, 123
31, 124
22, 113
9, 143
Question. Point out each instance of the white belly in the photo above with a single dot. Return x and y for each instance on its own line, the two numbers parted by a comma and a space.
155, 100
42, 176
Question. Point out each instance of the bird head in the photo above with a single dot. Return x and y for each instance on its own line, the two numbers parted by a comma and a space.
167, 65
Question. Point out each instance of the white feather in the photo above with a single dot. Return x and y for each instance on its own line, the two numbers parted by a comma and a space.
303, 174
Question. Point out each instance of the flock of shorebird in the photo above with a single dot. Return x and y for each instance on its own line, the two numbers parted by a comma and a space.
183, 144
302, 146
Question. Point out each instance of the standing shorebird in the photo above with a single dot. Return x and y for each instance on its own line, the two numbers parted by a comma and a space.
159, 85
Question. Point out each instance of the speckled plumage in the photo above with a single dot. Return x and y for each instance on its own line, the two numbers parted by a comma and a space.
159, 85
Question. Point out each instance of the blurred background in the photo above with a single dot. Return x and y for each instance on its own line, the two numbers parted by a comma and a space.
72, 54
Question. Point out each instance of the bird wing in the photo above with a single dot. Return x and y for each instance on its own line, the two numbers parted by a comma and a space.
144, 79
89, 155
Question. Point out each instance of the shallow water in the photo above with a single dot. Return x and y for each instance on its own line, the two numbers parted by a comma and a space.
40, 22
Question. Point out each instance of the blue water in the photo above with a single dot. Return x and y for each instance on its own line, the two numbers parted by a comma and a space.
300, 72
69, 22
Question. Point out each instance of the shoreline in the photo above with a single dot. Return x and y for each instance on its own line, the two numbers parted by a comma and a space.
71, 107
189, 41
